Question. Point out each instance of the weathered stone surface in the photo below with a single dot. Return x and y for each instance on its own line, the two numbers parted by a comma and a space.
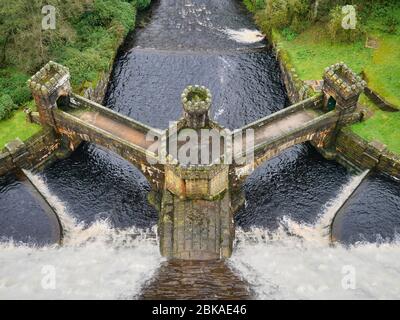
196, 229
196, 102
367, 155
201, 182
6, 163
32, 154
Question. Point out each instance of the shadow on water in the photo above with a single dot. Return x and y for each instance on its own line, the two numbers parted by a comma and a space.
372, 214
25, 217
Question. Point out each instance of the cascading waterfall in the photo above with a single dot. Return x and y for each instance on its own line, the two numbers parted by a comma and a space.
75, 233
94, 262
297, 262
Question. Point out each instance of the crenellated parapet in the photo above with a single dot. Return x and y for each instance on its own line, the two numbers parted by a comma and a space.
341, 91
196, 221
342, 88
47, 86
196, 102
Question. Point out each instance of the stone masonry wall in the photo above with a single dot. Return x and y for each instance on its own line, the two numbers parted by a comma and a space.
366, 155
6, 163
296, 89
32, 154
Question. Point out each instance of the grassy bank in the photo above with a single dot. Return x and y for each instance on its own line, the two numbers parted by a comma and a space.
17, 126
87, 36
309, 47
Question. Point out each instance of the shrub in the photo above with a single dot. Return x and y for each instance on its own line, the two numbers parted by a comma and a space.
104, 13
299, 12
21, 94
391, 24
142, 4
275, 15
336, 30
254, 5
7, 105
281, 14
85, 65
13, 83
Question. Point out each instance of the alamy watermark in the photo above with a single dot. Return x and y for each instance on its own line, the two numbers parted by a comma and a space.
49, 19
48, 281
349, 280
201, 147
349, 17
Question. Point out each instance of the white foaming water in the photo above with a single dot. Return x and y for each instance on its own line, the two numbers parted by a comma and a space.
96, 262
303, 265
99, 262
245, 36
289, 268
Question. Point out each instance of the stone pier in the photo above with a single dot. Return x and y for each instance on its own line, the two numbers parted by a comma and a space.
196, 221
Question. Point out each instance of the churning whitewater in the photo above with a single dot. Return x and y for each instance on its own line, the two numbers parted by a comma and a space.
298, 261
94, 262
294, 262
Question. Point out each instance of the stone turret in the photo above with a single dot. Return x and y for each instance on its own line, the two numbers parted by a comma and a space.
342, 88
196, 213
47, 86
196, 102
341, 91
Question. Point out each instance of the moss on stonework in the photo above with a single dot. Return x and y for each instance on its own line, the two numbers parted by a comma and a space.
197, 95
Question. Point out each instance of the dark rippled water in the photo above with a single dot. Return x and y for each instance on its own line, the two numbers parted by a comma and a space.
194, 25
372, 214
186, 43
24, 216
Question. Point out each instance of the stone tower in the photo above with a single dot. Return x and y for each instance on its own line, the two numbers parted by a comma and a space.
196, 217
47, 86
341, 91
342, 88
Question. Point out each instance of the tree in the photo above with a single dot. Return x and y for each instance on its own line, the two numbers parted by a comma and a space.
23, 43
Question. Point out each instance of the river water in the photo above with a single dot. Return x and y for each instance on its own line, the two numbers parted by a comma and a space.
283, 250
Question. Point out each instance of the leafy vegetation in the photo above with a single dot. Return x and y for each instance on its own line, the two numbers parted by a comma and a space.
86, 37
321, 41
253, 5
6, 106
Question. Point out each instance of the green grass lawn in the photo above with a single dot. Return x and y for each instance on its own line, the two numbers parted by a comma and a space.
312, 51
16, 127
383, 72
382, 126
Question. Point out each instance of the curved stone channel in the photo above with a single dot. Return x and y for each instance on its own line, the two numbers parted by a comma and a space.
212, 43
